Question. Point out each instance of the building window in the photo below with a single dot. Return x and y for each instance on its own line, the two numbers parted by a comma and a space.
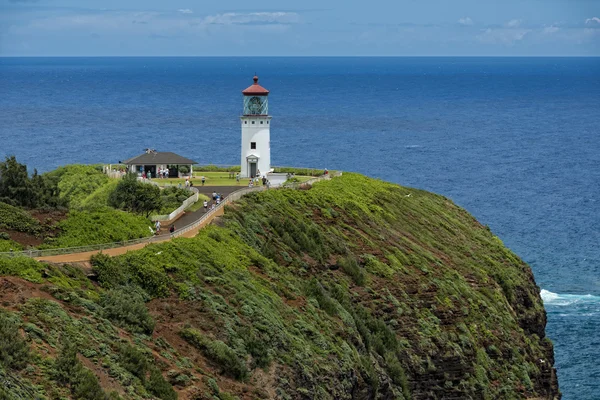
245, 122
261, 122
267, 122
252, 122
253, 145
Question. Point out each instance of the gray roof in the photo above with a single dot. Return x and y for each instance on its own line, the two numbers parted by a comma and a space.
165, 157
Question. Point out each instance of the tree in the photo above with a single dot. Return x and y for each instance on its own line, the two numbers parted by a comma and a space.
15, 186
18, 189
136, 197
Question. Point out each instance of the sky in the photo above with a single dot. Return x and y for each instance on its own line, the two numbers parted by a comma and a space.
300, 28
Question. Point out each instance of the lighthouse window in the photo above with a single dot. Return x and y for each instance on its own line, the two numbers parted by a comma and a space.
253, 145
252, 122
261, 122
267, 122
245, 122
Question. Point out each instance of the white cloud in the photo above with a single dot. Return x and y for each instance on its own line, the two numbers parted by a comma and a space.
502, 36
550, 29
185, 11
465, 21
255, 18
513, 23
592, 21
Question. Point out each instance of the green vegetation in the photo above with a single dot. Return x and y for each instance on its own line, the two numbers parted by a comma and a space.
300, 171
172, 197
19, 189
17, 219
350, 289
135, 197
105, 225
214, 168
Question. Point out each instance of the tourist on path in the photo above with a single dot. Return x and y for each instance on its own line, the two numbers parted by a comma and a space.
205, 205
157, 227
237, 177
172, 229
214, 195
203, 180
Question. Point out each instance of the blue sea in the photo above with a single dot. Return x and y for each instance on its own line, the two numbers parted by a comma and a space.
516, 141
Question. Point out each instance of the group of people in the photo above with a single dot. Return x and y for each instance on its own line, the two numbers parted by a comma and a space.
163, 173
255, 181
157, 227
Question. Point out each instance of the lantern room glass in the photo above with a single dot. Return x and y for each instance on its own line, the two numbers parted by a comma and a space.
256, 105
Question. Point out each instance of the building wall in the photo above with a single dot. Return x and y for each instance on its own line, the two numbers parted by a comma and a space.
260, 133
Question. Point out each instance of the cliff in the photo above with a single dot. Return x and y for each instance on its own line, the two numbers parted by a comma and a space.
351, 289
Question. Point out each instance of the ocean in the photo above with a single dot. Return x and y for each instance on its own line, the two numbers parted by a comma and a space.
515, 141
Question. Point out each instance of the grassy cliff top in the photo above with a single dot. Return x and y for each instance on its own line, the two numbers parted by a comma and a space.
354, 288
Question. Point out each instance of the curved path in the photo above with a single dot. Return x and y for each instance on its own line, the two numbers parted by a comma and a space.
186, 221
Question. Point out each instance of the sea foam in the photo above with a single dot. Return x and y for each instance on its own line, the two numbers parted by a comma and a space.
557, 299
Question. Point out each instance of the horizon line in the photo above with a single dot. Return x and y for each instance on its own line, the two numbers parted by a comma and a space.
302, 56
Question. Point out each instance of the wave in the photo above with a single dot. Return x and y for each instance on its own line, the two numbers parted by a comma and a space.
412, 146
557, 299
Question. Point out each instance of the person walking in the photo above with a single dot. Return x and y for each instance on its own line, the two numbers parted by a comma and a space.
172, 229
237, 177
205, 205
203, 180
157, 227
214, 196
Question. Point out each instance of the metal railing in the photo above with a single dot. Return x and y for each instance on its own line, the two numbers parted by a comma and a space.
208, 215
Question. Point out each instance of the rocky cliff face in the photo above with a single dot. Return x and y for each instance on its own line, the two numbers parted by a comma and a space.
352, 289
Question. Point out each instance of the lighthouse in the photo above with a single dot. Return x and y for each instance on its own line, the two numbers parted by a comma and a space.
256, 131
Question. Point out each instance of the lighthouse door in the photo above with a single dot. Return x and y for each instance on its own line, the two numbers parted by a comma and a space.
252, 169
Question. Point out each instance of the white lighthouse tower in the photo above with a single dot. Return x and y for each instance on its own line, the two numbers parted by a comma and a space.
256, 132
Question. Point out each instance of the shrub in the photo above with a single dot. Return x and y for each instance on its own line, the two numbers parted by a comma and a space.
133, 361
14, 352
77, 182
136, 197
350, 266
23, 267
16, 219
159, 387
69, 371
128, 310
172, 197
8, 245
107, 225
218, 352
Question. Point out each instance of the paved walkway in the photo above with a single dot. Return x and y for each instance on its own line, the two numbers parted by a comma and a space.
185, 220
190, 217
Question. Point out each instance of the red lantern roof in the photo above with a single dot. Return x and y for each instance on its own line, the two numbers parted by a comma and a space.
255, 89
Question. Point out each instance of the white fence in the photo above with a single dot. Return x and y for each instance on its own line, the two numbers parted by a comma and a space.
177, 212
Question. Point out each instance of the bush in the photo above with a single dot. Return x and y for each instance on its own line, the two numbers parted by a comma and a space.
8, 245
133, 361
16, 219
82, 228
69, 371
218, 352
350, 266
77, 182
159, 387
14, 352
134, 196
128, 310
172, 197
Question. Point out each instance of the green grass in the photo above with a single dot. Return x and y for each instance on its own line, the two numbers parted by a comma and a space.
106, 225
199, 204
213, 179
348, 289
17, 219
